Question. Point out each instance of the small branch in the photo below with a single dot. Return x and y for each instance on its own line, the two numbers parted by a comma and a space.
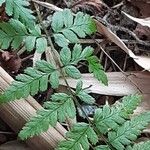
67, 3
118, 5
109, 57
125, 62
52, 50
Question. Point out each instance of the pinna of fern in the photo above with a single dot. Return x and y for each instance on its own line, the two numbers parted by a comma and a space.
13, 33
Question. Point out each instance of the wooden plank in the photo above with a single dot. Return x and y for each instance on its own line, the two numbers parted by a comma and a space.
18, 112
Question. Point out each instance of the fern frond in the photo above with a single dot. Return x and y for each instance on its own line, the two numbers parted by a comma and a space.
140, 146
67, 28
72, 71
31, 82
79, 137
129, 131
71, 59
109, 117
18, 9
66, 109
61, 107
65, 56
14, 33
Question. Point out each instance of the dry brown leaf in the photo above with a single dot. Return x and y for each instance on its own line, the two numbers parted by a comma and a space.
143, 22
142, 61
48, 5
118, 84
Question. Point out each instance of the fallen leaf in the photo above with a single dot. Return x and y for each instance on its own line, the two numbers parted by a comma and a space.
111, 36
37, 56
143, 22
118, 85
142, 61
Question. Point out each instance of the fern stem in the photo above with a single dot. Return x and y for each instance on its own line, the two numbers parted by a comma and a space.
89, 121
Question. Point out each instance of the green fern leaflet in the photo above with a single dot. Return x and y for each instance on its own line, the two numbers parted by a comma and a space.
32, 81
61, 107
14, 33
67, 27
109, 117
